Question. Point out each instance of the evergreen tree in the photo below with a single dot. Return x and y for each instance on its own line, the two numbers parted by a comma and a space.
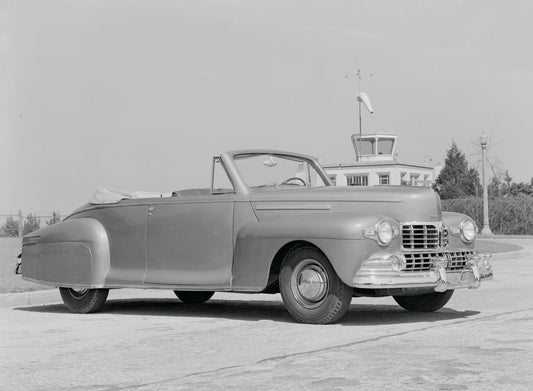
11, 227
456, 179
32, 223
55, 219
495, 187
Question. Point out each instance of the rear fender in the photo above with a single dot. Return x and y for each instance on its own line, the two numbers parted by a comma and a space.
72, 253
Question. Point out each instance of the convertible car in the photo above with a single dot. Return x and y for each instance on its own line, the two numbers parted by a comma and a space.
270, 222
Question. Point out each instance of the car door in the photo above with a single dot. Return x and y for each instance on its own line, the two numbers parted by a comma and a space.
189, 240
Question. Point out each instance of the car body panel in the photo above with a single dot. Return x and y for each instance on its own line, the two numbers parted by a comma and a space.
229, 241
190, 242
73, 253
125, 229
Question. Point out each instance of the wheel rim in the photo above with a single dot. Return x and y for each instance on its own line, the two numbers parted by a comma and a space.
309, 283
78, 293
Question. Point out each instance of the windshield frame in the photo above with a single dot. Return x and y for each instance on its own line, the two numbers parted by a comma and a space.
238, 180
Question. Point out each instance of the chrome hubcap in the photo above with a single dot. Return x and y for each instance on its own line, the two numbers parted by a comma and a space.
309, 283
78, 293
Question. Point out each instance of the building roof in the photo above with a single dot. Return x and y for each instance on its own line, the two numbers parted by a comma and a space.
375, 135
375, 164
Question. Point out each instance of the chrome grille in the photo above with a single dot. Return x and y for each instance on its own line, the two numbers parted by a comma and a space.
421, 261
458, 259
420, 236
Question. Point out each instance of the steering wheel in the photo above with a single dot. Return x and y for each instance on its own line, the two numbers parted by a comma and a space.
294, 178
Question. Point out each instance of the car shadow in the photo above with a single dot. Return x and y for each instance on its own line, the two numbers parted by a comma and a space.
258, 310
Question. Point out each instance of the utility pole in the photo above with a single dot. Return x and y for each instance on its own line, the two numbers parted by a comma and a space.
21, 224
484, 139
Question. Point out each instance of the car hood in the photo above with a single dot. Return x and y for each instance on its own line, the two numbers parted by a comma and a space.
400, 202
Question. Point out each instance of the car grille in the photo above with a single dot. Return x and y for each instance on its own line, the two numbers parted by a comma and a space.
421, 236
420, 261
458, 259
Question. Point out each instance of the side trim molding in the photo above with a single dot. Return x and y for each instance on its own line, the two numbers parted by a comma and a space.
293, 206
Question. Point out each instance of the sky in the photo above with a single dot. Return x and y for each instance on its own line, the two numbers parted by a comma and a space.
141, 94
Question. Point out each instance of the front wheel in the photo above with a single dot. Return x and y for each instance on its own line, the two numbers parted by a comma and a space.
424, 303
310, 288
194, 297
83, 301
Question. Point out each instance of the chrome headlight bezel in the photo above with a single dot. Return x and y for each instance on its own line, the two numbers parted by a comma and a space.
383, 232
468, 230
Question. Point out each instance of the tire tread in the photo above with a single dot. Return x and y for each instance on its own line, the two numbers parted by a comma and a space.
93, 302
424, 303
342, 294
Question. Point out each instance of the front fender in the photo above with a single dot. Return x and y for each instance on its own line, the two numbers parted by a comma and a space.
338, 236
72, 253
453, 221
311, 226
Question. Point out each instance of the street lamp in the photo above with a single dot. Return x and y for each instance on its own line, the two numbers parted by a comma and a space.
483, 140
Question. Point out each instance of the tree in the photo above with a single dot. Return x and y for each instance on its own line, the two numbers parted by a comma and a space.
32, 223
55, 219
503, 186
11, 227
507, 178
494, 188
520, 188
456, 179
473, 176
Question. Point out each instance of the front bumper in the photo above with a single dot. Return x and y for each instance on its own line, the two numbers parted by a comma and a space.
386, 271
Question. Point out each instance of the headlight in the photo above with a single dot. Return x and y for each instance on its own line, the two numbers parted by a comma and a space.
384, 233
468, 230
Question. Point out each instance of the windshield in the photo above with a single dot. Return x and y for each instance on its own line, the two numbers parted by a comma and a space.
270, 170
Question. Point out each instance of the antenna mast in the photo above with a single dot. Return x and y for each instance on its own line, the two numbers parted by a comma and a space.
362, 98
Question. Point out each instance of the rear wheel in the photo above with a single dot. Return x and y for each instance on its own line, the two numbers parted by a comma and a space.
310, 288
191, 297
424, 303
83, 301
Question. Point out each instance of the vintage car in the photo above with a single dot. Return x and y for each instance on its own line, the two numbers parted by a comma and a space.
270, 222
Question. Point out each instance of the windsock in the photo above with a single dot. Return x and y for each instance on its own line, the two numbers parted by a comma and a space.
362, 97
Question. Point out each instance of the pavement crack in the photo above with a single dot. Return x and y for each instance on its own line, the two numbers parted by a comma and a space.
354, 343
315, 351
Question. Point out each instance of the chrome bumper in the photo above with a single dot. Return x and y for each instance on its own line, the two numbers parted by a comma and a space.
385, 272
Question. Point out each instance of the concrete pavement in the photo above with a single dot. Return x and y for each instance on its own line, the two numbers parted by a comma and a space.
147, 340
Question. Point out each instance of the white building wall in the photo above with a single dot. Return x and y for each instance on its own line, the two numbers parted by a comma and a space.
398, 175
375, 164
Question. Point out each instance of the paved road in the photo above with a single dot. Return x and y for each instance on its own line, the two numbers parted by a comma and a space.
146, 340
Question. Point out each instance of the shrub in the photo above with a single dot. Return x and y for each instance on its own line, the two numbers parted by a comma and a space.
511, 215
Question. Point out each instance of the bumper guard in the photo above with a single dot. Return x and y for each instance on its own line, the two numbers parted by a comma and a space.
383, 273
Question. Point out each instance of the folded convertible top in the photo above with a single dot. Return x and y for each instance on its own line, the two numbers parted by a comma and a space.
107, 195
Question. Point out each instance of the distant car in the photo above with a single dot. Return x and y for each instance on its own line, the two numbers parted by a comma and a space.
270, 222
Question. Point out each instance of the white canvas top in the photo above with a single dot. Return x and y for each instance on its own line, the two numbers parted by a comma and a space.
107, 195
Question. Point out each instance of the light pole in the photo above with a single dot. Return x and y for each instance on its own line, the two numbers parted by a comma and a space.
484, 139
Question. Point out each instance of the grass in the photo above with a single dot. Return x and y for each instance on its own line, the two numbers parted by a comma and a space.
9, 281
10, 249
